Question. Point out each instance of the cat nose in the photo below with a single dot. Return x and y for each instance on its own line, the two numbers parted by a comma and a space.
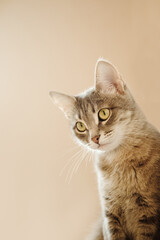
95, 139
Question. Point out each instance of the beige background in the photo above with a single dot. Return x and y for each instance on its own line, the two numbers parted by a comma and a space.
46, 45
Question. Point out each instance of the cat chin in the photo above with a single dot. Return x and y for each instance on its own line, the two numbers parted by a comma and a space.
100, 148
105, 148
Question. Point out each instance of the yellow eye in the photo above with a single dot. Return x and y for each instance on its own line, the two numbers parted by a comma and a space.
103, 114
80, 126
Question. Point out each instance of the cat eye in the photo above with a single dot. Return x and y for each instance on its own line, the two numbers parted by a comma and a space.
104, 114
80, 126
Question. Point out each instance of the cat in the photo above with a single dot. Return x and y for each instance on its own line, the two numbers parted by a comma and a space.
107, 119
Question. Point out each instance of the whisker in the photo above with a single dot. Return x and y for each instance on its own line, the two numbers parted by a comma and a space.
107, 133
84, 153
72, 166
88, 159
91, 156
77, 164
72, 169
83, 157
106, 138
68, 151
70, 161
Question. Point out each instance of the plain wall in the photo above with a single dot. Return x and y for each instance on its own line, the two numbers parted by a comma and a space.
54, 45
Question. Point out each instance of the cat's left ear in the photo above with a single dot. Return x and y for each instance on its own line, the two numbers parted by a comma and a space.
107, 78
65, 103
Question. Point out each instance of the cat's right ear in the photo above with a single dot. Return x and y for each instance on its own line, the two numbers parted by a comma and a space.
65, 102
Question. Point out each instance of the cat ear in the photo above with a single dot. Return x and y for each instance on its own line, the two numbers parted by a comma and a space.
108, 79
65, 102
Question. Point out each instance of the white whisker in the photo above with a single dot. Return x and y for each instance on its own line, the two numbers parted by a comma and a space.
83, 157
107, 137
70, 161
72, 169
74, 164
83, 153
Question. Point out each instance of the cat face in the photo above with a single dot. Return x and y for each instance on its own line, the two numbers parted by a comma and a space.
100, 116
99, 122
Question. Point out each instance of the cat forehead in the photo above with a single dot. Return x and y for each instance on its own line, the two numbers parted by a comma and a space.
89, 103
93, 101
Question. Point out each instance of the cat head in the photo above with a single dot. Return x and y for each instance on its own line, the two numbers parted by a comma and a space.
100, 116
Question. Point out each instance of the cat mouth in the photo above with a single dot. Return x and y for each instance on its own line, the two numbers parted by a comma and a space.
102, 145
99, 146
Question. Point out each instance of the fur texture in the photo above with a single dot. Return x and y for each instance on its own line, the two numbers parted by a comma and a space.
127, 156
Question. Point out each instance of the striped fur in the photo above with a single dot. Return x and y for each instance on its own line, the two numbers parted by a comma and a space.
127, 158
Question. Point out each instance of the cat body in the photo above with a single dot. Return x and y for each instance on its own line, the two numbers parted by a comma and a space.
129, 183
107, 120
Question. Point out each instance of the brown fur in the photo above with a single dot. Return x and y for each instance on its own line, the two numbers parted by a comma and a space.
127, 156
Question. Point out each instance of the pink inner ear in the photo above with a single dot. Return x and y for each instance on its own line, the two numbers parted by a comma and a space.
108, 79
119, 86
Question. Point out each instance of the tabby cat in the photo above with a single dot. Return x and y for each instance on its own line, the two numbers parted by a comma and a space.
107, 119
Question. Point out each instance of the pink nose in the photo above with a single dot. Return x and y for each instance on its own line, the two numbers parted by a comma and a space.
95, 139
